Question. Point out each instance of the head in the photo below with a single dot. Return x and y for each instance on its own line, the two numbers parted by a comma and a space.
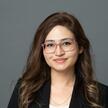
56, 28
72, 29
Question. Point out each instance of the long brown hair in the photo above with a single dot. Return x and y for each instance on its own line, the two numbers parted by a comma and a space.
37, 71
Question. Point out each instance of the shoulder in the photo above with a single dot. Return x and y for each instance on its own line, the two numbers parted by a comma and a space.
103, 91
102, 87
14, 99
18, 83
17, 86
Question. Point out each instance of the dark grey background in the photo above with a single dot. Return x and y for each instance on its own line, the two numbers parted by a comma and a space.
19, 20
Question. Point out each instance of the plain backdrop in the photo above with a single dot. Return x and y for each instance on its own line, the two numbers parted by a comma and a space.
19, 20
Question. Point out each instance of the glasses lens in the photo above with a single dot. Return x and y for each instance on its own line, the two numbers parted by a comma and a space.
49, 47
67, 45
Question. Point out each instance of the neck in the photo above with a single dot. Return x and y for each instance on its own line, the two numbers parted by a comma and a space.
62, 79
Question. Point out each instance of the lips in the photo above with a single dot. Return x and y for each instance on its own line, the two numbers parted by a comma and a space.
60, 60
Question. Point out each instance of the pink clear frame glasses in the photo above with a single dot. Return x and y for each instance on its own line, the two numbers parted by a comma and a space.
66, 44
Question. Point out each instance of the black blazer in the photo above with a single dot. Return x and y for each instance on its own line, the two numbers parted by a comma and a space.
43, 95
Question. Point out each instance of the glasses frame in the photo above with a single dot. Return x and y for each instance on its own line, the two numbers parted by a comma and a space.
59, 44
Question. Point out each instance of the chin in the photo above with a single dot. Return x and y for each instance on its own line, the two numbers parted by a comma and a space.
59, 69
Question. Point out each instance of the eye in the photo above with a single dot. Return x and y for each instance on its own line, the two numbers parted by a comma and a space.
49, 45
66, 43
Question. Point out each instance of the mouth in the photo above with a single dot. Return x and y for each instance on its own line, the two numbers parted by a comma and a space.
60, 60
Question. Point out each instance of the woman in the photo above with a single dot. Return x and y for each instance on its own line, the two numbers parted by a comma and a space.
59, 71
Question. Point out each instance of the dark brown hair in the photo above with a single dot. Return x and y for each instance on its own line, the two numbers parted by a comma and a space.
37, 71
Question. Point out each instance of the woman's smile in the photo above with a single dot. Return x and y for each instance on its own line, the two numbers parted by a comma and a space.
60, 60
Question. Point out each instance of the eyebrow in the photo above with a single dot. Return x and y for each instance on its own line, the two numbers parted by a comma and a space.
59, 40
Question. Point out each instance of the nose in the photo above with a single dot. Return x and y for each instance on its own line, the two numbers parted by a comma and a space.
59, 51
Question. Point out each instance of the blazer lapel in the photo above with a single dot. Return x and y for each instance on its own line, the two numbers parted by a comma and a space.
43, 95
77, 99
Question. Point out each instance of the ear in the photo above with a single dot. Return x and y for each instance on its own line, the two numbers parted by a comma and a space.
81, 50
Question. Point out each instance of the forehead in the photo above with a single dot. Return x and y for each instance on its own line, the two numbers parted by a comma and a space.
58, 33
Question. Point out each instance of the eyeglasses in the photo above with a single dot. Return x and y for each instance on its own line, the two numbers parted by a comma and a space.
66, 44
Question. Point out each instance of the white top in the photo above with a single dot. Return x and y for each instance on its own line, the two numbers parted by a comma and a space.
64, 105
59, 106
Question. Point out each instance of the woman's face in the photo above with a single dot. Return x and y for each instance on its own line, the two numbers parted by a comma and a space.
60, 49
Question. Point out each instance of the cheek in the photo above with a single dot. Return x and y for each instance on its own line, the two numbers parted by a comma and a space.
47, 58
73, 56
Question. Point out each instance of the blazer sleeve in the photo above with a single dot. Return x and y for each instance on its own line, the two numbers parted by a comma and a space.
14, 100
